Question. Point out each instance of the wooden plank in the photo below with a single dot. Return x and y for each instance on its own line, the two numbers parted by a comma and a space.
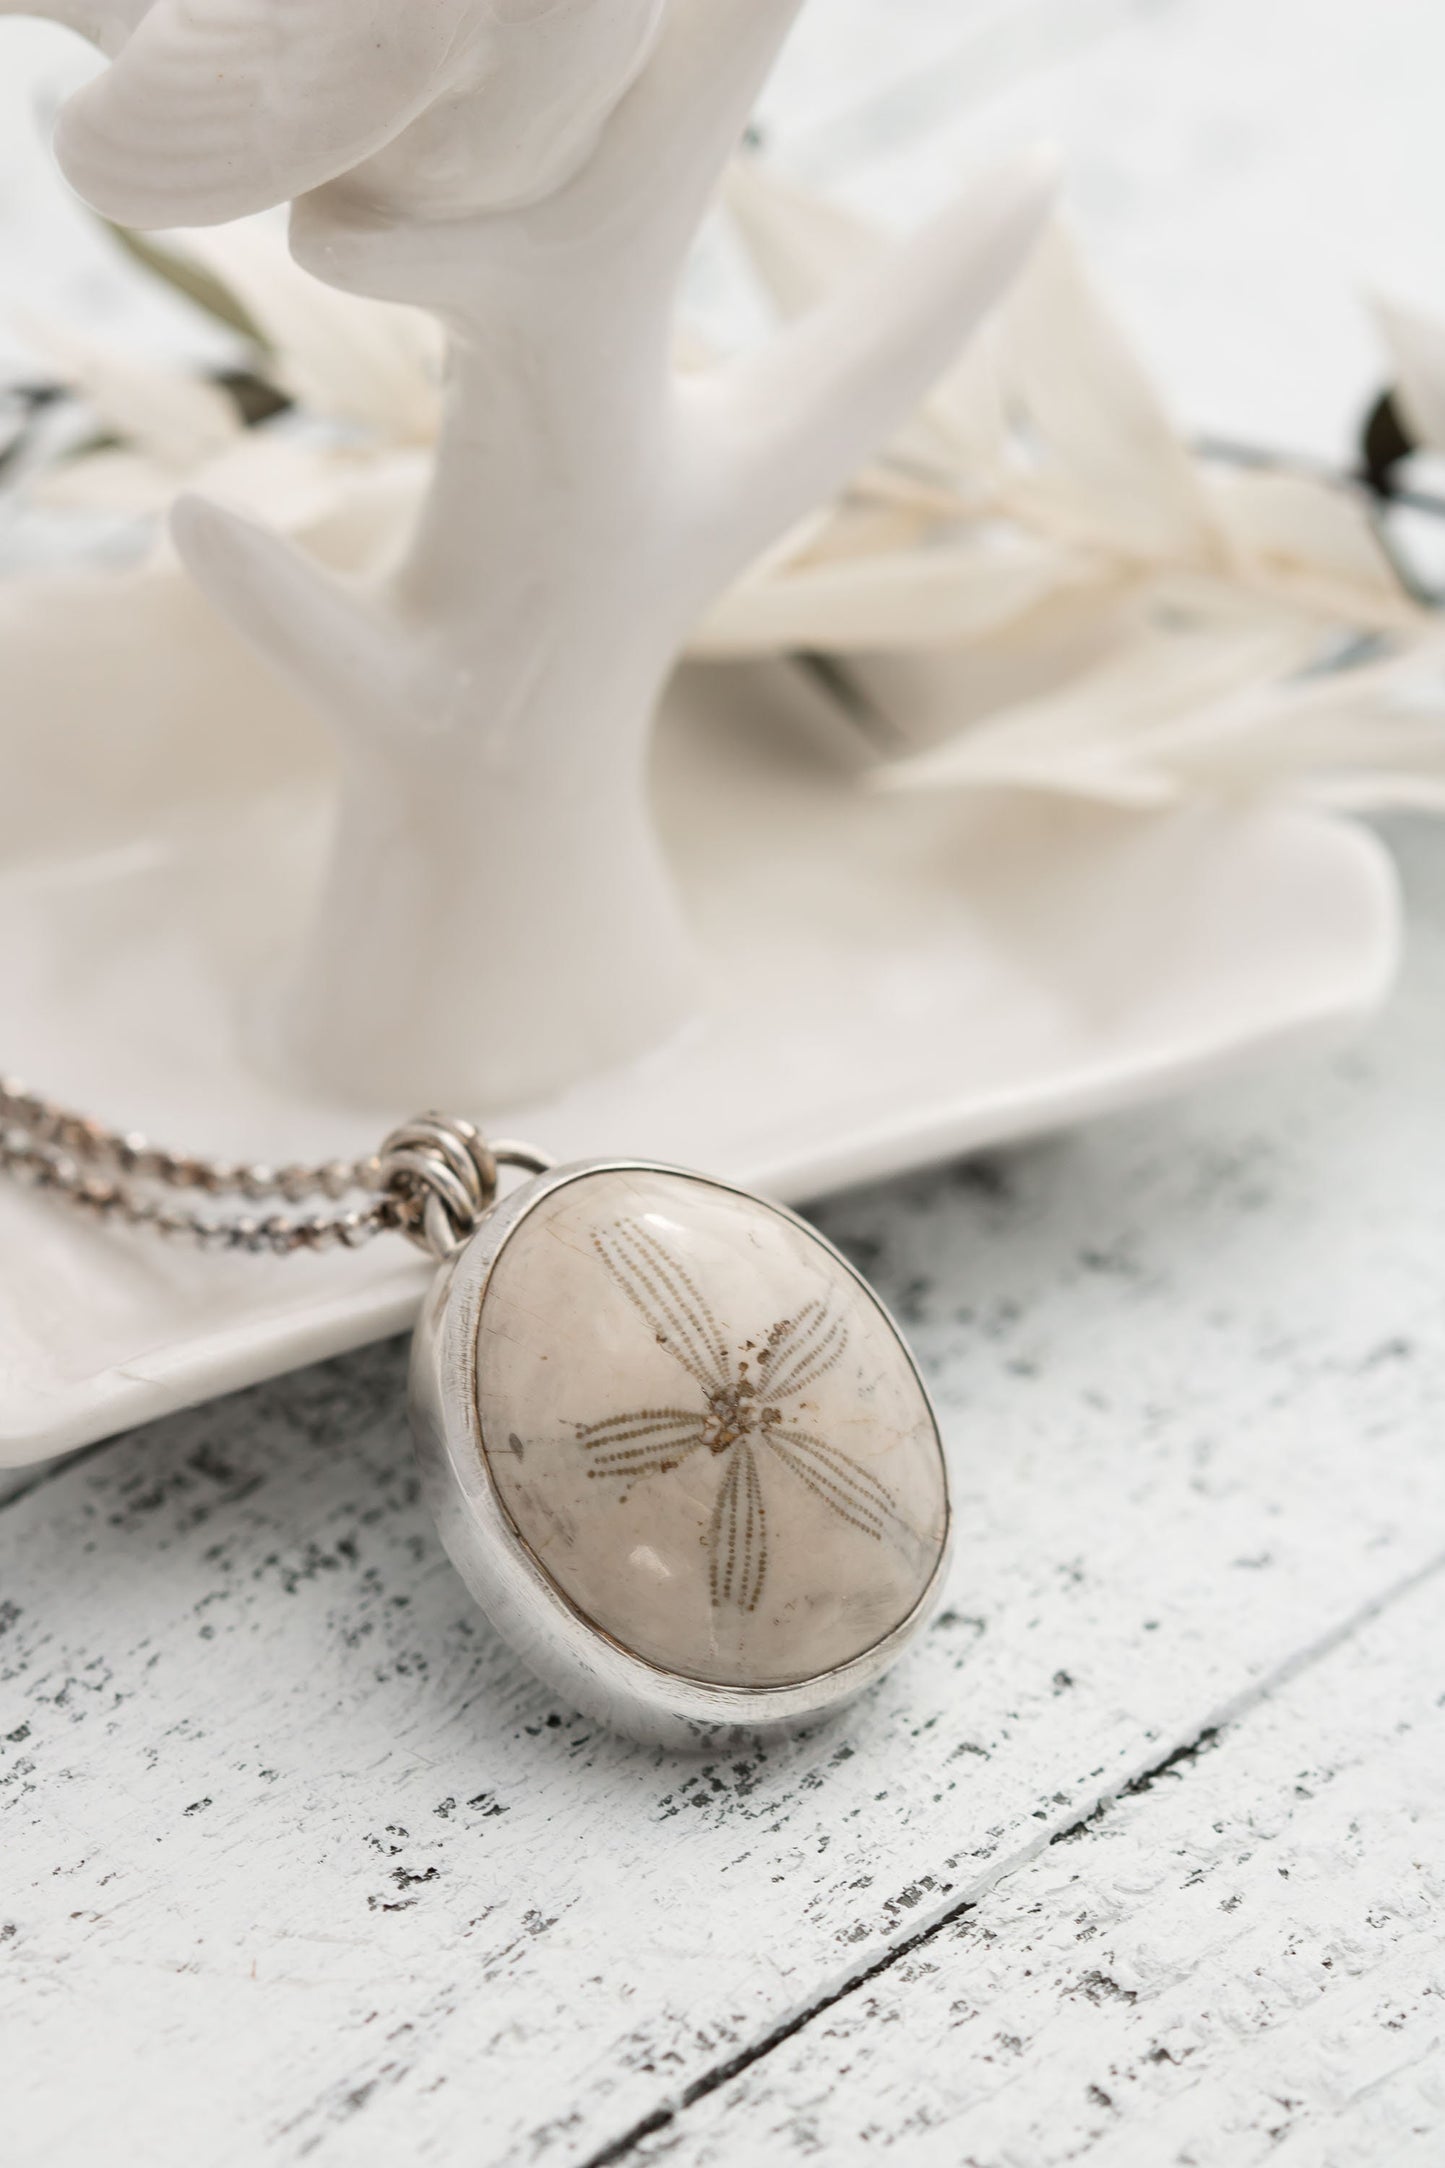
298, 1863
1241, 1962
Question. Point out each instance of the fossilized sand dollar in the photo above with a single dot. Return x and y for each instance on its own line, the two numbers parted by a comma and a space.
706, 1430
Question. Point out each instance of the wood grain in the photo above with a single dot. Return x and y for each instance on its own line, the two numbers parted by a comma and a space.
1241, 1961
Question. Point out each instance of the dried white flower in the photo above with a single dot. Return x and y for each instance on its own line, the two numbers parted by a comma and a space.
1043, 585
1039, 585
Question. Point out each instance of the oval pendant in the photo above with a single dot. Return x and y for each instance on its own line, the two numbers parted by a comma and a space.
679, 1452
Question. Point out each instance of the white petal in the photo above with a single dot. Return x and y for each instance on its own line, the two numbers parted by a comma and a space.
920, 598
868, 527
1231, 709
1112, 458
121, 482
176, 420
1113, 723
966, 415
1416, 341
802, 247
1365, 738
373, 363
1315, 543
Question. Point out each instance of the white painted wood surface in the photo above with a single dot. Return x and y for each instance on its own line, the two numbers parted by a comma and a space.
1241, 1961
296, 1863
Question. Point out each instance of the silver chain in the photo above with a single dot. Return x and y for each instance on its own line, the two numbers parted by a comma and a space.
433, 1180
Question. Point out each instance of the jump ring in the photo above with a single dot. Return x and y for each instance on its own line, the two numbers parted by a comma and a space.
442, 1176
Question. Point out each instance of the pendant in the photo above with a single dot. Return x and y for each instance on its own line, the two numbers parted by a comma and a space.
679, 1452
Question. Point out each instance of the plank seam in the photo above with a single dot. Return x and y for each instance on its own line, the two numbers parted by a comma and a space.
1178, 1760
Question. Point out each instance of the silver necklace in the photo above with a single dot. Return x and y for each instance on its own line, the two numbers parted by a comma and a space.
675, 1446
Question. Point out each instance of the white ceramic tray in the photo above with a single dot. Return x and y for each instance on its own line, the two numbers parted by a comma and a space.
886, 980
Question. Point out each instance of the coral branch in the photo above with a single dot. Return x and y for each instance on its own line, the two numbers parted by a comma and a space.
334, 643
534, 174
259, 110
789, 425
680, 123
216, 108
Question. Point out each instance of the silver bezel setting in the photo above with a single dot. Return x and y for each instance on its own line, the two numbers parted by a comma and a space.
596, 1674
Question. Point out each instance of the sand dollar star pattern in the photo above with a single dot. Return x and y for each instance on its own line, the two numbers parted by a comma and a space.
746, 1407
